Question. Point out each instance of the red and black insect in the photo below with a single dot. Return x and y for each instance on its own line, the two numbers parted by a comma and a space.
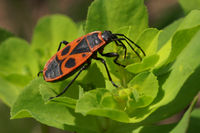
77, 55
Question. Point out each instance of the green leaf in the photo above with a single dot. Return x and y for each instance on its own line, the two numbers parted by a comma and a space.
47, 92
154, 94
148, 40
181, 39
194, 121
4, 35
146, 64
186, 30
120, 105
93, 78
146, 87
165, 128
30, 104
196, 113
16, 57
184, 74
18, 80
189, 5
118, 74
168, 33
114, 14
95, 103
49, 32
192, 20
67, 101
180, 127
183, 124
184, 69
17, 68
8, 92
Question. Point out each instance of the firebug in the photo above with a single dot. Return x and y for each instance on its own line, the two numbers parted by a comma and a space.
77, 55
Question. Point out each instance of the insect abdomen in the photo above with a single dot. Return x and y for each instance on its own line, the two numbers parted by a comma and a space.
53, 69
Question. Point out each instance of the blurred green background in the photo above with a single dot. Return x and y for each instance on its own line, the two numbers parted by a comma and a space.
21, 16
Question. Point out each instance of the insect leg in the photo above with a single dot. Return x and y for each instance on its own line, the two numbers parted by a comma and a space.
63, 42
65, 89
112, 55
39, 73
104, 62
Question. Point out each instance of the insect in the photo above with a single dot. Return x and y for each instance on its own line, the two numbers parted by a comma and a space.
77, 55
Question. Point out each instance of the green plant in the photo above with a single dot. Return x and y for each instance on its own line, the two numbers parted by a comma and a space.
164, 83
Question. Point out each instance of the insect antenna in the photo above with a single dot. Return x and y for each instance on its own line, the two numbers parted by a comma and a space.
126, 38
121, 45
120, 40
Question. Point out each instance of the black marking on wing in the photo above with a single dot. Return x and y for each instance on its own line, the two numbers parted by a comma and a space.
93, 40
65, 51
81, 47
53, 69
70, 63
83, 55
78, 40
